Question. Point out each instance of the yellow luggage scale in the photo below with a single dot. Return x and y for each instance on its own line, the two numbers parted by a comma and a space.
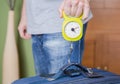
72, 28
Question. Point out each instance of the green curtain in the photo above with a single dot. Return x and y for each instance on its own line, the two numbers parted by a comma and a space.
24, 46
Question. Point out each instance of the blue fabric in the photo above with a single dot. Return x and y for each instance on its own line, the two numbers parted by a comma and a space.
109, 78
51, 52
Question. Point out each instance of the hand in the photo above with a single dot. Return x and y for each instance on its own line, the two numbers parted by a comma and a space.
22, 28
75, 8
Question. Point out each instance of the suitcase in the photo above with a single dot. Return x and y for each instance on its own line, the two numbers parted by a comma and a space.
67, 75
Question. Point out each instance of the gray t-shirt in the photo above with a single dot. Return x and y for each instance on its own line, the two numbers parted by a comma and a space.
43, 16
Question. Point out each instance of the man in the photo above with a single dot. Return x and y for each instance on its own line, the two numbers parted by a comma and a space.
41, 20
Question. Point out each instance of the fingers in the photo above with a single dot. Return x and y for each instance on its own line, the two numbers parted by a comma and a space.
61, 8
74, 7
23, 33
67, 7
86, 10
60, 13
80, 9
27, 36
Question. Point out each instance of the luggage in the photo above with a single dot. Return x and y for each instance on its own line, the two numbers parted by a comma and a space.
82, 75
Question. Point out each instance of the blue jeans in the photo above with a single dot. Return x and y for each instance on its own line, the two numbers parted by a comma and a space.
51, 52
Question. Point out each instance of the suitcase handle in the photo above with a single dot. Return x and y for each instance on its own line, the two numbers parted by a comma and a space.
74, 64
87, 72
60, 73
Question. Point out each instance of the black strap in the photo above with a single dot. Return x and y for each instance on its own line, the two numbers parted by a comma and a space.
87, 72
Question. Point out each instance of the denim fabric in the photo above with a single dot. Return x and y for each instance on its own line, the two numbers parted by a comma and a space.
82, 45
51, 52
109, 78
